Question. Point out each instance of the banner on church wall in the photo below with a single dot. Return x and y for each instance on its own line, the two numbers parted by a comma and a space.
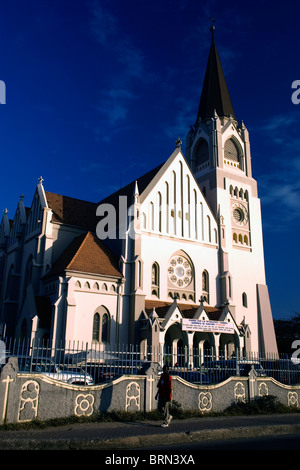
209, 326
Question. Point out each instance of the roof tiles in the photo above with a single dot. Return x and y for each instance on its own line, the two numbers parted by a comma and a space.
187, 310
86, 253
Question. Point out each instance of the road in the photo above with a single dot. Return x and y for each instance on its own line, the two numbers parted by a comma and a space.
203, 433
274, 443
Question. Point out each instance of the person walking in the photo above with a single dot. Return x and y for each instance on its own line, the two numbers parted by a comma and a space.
164, 396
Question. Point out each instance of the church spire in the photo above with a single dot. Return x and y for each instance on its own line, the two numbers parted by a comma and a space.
215, 94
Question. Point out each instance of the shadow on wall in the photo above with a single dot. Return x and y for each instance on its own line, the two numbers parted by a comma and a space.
105, 399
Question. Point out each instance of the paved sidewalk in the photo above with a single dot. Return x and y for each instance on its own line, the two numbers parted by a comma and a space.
136, 435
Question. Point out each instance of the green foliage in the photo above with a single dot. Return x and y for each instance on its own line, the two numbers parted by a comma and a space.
260, 405
176, 410
286, 332
178, 413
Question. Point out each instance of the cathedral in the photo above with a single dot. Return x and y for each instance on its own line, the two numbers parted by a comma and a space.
173, 259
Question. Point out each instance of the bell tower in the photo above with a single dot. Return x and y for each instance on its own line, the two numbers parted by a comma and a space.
218, 145
218, 152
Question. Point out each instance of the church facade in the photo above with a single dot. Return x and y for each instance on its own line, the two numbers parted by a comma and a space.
174, 259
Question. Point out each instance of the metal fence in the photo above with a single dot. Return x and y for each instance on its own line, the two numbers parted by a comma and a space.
91, 364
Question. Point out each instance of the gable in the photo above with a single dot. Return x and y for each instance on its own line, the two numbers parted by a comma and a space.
18, 224
4, 227
34, 215
173, 312
173, 204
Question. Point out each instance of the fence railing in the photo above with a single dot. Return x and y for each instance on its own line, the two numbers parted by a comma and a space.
94, 364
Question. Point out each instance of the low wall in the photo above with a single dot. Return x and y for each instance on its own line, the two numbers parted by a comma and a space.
24, 397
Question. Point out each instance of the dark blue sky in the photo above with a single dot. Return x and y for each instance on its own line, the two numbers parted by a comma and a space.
97, 93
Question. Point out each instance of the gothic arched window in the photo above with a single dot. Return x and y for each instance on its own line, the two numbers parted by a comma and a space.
244, 299
155, 279
12, 286
101, 325
151, 216
105, 328
201, 152
96, 327
27, 274
159, 202
205, 285
231, 151
205, 281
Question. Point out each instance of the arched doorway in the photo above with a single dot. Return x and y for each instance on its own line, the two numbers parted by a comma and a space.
176, 346
203, 347
229, 345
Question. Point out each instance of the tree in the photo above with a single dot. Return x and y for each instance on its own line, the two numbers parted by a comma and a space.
287, 331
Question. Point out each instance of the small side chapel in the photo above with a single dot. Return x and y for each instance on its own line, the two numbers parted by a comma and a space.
190, 250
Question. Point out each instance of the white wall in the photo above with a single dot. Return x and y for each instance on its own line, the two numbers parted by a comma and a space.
160, 241
83, 302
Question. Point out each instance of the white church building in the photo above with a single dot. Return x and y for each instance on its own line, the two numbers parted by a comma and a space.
173, 259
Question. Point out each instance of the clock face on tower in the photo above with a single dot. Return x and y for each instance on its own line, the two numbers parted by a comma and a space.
180, 271
239, 214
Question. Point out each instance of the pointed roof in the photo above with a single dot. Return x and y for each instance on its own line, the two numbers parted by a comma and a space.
187, 310
130, 189
82, 214
87, 254
215, 94
70, 211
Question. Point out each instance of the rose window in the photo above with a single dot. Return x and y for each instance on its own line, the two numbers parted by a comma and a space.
239, 214
180, 271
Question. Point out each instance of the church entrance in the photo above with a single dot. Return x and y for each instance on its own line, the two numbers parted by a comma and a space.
229, 345
203, 344
176, 350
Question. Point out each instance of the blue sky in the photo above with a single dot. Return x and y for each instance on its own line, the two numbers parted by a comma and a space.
97, 93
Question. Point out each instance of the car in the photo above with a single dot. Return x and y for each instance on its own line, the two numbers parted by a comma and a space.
245, 366
101, 373
223, 369
282, 370
193, 376
48, 367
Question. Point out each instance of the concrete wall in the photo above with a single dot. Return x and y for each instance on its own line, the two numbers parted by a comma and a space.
24, 397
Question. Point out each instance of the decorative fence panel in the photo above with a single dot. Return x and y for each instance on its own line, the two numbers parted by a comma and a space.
31, 389
28, 396
92, 363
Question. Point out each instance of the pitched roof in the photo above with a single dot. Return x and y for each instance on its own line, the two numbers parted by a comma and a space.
187, 310
213, 313
79, 213
71, 211
87, 254
128, 190
215, 94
